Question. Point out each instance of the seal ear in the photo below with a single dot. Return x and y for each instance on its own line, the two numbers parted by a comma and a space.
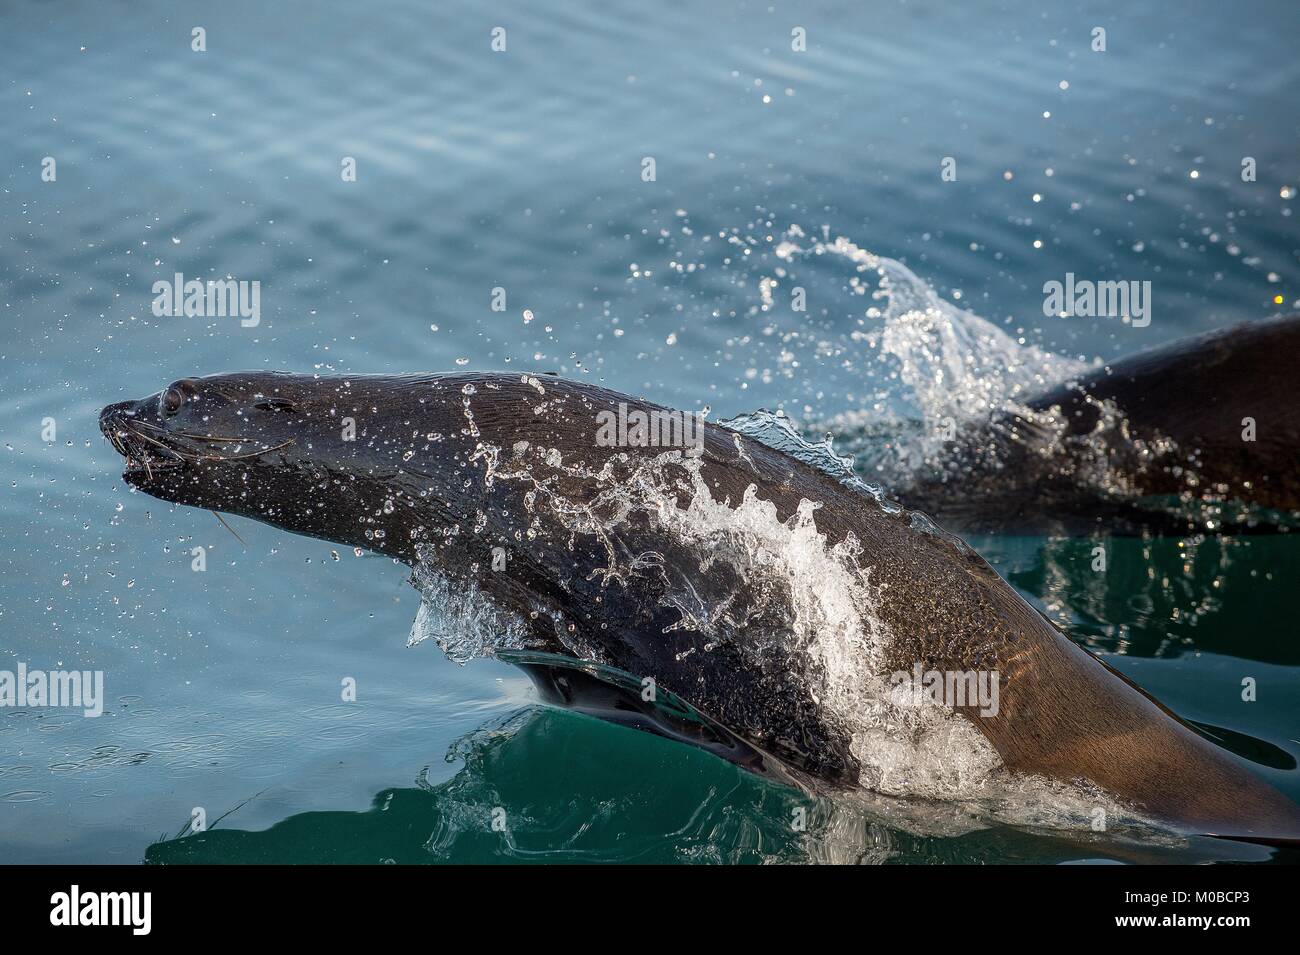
276, 404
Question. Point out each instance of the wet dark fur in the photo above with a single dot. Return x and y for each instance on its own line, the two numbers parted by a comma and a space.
1000, 476
1063, 714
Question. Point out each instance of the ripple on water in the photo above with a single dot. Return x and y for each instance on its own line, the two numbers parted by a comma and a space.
27, 795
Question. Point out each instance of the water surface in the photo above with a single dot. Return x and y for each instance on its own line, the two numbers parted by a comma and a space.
522, 171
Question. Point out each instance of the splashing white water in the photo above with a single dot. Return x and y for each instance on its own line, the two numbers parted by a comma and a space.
947, 366
776, 430
952, 362
945, 375
463, 622
821, 591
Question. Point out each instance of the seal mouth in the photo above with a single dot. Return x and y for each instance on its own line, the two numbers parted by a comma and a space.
151, 449
142, 444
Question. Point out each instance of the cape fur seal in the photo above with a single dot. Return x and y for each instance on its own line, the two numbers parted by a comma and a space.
764, 599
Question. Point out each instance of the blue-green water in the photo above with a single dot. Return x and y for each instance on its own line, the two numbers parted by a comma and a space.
522, 170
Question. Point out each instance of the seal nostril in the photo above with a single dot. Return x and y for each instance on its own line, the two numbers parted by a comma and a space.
112, 414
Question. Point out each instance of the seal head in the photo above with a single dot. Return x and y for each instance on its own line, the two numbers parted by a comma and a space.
285, 449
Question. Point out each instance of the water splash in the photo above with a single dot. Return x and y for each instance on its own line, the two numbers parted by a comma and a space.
938, 368
949, 395
460, 619
823, 596
777, 430
950, 361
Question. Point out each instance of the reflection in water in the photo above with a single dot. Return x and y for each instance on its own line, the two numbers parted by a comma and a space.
1159, 597
643, 799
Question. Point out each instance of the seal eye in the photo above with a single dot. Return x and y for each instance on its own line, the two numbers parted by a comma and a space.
171, 400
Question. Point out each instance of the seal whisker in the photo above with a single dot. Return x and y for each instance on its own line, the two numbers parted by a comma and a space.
116, 442
222, 520
211, 437
249, 454
191, 435
170, 450
196, 458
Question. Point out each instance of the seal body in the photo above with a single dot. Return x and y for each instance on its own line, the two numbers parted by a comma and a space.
762, 595
1168, 441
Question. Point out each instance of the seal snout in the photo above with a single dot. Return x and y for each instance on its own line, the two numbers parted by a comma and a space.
113, 422
143, 443
121, 418
109, 415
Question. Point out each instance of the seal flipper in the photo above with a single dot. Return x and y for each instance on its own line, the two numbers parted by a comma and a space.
617, 696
